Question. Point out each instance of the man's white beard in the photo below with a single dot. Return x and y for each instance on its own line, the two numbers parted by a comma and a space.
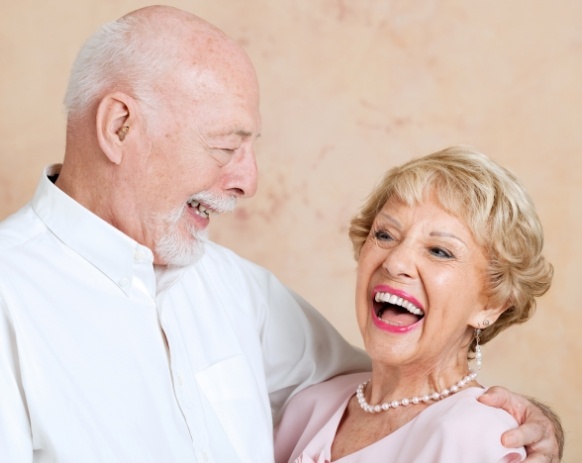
180, 248
177, 248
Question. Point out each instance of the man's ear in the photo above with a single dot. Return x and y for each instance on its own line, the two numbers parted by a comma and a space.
114, 119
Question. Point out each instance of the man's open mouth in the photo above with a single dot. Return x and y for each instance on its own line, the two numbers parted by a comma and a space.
200, 209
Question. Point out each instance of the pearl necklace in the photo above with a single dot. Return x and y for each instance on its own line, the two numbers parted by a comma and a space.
415, 400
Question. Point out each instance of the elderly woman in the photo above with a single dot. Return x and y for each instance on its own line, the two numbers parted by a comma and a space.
449, 255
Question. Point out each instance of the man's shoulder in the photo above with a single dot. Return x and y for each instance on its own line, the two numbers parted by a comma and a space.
220, 258
215, 251
18, 228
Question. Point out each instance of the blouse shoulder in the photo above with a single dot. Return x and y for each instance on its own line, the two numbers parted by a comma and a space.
461, 428
309, 410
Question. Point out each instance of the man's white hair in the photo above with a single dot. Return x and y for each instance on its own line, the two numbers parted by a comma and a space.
117, 57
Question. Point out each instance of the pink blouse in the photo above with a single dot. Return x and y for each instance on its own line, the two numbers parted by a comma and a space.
458, 429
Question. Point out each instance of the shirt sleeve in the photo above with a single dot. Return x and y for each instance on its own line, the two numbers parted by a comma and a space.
15, 432
301, 347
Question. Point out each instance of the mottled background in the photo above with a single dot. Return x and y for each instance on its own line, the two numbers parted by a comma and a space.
350, 88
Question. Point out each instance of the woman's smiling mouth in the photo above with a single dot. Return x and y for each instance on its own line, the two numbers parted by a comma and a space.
394, 313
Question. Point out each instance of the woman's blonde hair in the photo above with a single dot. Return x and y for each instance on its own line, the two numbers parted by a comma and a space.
493, 204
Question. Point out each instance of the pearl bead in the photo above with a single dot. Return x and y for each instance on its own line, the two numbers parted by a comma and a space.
415, 400
427, 397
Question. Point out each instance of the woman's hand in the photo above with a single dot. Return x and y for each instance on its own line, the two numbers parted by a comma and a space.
539, 431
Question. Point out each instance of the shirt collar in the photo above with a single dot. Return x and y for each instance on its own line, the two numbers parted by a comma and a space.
103, 245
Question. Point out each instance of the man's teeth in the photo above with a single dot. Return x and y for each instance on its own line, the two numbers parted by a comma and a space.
392, 299
201, 210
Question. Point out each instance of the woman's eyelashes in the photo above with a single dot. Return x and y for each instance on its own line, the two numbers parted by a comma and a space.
382, 237
440, 252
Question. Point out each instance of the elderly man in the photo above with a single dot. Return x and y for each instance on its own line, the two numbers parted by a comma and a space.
125, 335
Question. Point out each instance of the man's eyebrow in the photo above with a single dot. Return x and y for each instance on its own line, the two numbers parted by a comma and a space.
239, 133
247, 134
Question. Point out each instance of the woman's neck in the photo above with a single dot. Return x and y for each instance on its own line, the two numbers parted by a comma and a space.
394, 383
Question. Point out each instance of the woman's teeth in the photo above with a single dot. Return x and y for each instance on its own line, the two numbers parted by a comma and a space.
396, 300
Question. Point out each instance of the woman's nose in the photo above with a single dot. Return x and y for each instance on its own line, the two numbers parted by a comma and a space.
400, 261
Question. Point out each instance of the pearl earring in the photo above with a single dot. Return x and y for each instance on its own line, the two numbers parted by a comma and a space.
427, 397
478, 355
478, 359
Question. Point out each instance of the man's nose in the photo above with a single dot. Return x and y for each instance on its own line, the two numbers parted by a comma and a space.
242, 175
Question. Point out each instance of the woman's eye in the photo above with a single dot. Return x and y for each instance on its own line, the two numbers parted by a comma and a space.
382, 235
440, 252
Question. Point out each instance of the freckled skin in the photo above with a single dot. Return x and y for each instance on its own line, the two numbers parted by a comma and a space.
432, 256
199, 138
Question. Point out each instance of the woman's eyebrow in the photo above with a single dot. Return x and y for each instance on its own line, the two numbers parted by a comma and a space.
448, 235
391, 219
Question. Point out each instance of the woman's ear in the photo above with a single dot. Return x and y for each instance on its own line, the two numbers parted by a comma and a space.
488, 315
114, 119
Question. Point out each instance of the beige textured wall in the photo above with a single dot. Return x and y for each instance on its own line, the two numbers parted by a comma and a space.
350, 88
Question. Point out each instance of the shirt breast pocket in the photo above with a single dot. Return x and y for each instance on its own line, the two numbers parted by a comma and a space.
234, 395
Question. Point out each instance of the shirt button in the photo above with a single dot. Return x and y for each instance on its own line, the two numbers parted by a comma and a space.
139, 255
204, 456
123, 282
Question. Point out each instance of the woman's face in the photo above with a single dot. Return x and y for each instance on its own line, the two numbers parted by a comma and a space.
420, 287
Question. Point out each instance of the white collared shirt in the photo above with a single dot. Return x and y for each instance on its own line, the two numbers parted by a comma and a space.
103, 358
